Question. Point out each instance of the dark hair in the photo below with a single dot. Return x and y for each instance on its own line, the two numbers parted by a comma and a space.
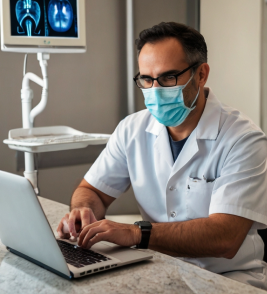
193, 42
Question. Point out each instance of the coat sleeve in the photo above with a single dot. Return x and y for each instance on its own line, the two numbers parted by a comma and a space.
241, 188
109, 173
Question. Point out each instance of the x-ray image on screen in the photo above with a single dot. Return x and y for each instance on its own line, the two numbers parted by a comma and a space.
44, 18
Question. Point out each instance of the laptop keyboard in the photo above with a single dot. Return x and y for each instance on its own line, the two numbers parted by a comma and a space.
78, 256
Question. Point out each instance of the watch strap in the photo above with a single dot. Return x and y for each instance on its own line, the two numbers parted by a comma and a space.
145, 227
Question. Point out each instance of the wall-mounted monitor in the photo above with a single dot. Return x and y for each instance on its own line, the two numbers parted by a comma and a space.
50, 26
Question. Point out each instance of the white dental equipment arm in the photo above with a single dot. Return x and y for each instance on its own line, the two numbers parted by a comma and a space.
28, 114
41, 106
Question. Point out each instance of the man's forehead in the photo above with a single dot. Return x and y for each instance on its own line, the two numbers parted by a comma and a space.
168, 51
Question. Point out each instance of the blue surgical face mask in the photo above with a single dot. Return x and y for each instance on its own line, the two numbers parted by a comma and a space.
166, 104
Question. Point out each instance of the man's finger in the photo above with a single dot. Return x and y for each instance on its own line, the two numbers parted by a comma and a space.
86, 229
60, 230
73, 217
92, 218
85, 218
65, 228
90, 234
98, 237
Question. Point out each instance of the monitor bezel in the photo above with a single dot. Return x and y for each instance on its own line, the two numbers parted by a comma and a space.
37, 44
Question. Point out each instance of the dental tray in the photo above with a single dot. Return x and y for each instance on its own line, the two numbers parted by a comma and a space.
55, 138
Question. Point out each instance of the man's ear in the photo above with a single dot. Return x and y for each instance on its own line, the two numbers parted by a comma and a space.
203, 73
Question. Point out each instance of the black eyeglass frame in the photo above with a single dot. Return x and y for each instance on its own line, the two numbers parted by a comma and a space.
157, 79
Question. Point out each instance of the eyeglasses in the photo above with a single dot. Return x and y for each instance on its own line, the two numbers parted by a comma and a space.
165, 80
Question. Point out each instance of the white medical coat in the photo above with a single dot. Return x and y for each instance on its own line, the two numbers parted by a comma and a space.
221, 169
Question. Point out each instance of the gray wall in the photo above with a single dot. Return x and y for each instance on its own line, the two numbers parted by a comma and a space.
264, 68
87, 91
151, 12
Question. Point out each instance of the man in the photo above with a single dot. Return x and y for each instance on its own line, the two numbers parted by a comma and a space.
197, 167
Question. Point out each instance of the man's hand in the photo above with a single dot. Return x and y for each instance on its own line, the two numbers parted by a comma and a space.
105, 230
74, 222
88, 205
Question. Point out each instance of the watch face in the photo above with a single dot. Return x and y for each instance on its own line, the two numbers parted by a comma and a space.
144, 224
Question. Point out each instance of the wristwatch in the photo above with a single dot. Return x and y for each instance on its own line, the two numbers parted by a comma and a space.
145, 227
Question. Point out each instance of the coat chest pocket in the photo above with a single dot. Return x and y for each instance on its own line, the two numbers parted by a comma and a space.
198, 198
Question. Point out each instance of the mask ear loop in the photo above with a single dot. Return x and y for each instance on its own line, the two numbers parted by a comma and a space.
188, 81
191, 108
195, 100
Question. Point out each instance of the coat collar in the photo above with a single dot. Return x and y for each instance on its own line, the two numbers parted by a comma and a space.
208, 125
154, 127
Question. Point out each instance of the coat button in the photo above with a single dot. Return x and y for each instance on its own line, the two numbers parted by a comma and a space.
171, 188
173, 214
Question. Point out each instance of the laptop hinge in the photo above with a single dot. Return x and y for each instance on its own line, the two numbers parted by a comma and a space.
40, 264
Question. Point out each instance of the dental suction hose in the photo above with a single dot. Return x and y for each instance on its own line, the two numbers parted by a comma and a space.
41, 106
26, 98
28, 114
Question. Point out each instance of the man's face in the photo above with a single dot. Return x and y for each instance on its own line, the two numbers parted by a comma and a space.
167, 56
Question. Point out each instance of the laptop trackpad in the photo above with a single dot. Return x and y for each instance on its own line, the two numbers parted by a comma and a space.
122, 253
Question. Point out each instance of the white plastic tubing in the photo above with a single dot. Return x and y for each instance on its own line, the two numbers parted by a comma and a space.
29, 115
26, 98
41, 106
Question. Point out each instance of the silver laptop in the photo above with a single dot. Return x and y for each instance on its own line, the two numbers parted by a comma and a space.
25, 231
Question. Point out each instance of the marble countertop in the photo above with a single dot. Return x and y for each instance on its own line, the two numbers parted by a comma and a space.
163, 274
